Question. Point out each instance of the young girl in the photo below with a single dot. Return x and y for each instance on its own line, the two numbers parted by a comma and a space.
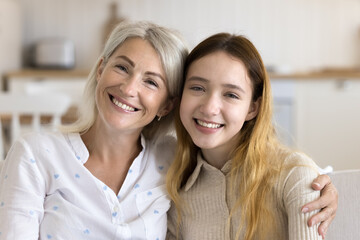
231, 178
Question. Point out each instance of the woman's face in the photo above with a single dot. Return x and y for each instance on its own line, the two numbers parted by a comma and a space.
216, 101
131, 87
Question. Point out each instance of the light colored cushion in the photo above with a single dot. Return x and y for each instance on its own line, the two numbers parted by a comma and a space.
346, 224
1, 164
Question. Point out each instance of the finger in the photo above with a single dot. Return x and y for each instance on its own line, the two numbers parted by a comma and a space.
320, 182
323, 228
327, 214
328, 198
314, 205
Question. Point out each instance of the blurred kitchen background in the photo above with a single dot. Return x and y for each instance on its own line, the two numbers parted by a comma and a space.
311, 50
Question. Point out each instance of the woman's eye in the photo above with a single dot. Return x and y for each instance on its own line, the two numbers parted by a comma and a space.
152, 82
122, 68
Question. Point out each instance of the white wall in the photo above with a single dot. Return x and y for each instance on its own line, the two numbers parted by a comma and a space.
10, 36
300, 34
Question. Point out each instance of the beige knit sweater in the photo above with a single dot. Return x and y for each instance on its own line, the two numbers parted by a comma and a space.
206, 194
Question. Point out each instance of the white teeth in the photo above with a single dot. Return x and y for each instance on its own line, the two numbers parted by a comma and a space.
208, 125
121, 105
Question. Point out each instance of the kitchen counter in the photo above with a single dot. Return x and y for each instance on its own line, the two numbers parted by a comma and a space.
41, 74
69, 74
38, 73
341, 74
71, 82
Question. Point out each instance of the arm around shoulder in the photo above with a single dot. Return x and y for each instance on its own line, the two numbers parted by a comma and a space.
296, 178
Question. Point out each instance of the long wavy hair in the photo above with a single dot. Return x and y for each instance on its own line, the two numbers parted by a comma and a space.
172, 51
251, 161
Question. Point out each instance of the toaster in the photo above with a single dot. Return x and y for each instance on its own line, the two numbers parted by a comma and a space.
54, 53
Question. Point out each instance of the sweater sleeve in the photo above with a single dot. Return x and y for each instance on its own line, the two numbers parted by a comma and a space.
296, 191
22, 192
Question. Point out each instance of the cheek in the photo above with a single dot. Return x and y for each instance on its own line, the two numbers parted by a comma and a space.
182, 111
156, 101
98, 98
186, 111
235, 114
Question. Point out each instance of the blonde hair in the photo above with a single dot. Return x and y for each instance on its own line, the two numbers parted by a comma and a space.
172, 51
252, 159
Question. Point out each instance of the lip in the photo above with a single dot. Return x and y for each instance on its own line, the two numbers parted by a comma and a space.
121, 104
207, 127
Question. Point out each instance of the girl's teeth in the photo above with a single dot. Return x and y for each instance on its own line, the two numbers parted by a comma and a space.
208, 125
123, 106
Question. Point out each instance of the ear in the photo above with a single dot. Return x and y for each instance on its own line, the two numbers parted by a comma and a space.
100, 69
253, 109
168, 107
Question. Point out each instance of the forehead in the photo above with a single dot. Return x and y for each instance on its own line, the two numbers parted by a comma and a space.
219, 67
135, 45
139, 50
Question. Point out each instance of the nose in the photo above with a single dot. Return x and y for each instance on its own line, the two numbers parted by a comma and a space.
129, 86
210, 105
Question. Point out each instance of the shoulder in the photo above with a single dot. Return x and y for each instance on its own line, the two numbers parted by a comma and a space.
35, 144
41, 137
34, 139
296, 175
298, 161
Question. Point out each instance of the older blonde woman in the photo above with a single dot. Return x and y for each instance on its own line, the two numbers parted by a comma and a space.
104, 176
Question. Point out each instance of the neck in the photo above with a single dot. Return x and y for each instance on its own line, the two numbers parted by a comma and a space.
215, 158
111, 145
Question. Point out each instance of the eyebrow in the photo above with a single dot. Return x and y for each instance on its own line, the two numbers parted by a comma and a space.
126, 59
227, 85
148, 72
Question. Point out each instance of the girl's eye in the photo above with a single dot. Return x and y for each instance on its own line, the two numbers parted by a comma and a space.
197, 88
232, 95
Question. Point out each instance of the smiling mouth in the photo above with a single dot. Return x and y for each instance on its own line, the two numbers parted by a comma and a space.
208, 124
122, 105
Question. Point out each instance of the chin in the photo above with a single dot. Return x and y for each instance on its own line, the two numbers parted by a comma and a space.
204, 145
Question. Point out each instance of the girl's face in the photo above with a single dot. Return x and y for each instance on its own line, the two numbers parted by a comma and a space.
216, 101
131, 88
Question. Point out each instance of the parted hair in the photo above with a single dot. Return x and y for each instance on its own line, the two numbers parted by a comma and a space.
250, 160
172, 51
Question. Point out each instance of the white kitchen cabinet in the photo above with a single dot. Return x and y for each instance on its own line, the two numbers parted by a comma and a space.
327, 118
283, 109
34, 81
